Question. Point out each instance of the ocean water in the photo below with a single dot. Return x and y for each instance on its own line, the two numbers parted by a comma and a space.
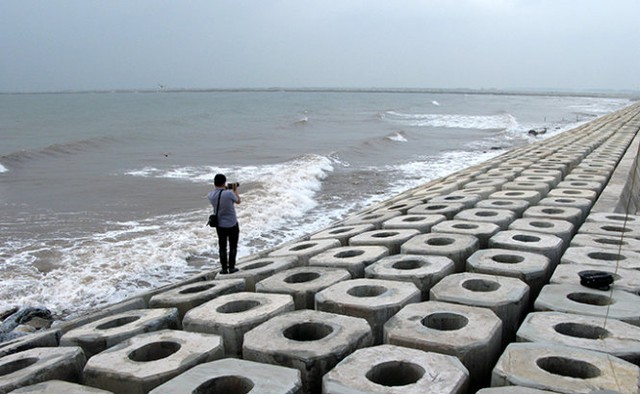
103, 195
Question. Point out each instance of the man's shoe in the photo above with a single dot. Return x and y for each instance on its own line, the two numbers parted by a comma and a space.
224, 272
232, 270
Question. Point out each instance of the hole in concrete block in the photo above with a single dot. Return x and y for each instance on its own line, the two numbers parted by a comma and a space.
298, 248
578, 184
453, 198
154, 351
373, 216
620, 218
465, 226
306, 332
435, 207
238, 306
408, 264
590, 299
568, 367
445, 321
255, 266
486, 214
395, 373
197, 289
412, 219
514, 194
613, 274
526, 238
577, 330
302, 277
508, 258
349, 253
440, 241
396, 207
230, 384
552, 211
340, 230
502, 203
386, 234
606, 256
366, 291
118, 322
480, 285
616, 229
606, 241
541, 224
17, 365
574, 192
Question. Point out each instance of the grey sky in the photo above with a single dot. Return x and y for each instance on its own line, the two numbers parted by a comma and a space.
90, 44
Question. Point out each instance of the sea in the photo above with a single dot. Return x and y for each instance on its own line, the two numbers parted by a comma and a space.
103, 194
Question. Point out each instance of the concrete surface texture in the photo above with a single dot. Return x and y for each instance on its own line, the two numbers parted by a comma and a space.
429, 291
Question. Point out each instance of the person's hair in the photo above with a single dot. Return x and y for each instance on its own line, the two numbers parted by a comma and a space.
219, 180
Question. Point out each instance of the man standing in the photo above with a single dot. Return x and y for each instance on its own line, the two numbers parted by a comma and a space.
223, 201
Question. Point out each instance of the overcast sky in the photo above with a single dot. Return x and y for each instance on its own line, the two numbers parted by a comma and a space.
137, 44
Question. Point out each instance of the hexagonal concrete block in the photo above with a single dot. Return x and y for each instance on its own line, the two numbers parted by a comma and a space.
611, 229
191, 295
564, 369
545, 244
391, 369
605, 242
569, 214
471, 334
422, 223
481, 230
512, 390
311, 341
146, 361
513, 205
233, 376
599, 256
374, 218
59, 387
302, 283
390, 239
457, 247
586, 332
352, 258
467, 200
583, 204
343, 233
616, 304
254, 271
573, 193
500, 217
531, 268
623, 279
101, 334
232, 315
375, 300
422, 271
39, 365
446, 209
560, 228
531, 196
46, 338
614, 218
304, 250
507, 297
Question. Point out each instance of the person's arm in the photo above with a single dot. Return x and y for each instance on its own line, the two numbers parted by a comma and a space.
235, 191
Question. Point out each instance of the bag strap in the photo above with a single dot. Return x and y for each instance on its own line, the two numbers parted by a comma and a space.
219, 198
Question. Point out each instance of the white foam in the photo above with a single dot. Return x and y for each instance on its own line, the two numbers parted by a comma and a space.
397, 137
3, 168
483, 122
434, 102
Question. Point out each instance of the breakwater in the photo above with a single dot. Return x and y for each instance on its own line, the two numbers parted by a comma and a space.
467, 283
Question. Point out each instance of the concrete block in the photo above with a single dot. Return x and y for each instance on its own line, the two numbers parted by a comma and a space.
507, 297
439, 187
389, 238
374, 218
613, 337
388, 368
189, 296
302, 283
560, 228
352, 258
603, 257
501, 173
448, 210
481, 230
526, 241
471, 334
374, 300
513, 390
564, 369
457, 247
422, 271
232, 315
47, 338
615, 304
587, 185
254, 271
101, 334
233, 376
605, 242
491, 183
312, 342
620, 219
400, 206
532, 196
302, 251
515, 206
343, 233
124, 306
500, 217
39, 365
611, 229
468, 200
422, 223
144, 362
569, 214
573, 193
551, 173
583, 204
531, 268
59, 387
539, 187
550, 181
550, 166
602, 179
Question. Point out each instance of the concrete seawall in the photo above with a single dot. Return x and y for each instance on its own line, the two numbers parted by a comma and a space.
469, 283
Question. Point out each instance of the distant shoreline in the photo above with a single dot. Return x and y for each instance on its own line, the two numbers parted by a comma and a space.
633, 95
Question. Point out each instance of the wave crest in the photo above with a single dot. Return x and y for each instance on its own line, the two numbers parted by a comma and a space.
504, 121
